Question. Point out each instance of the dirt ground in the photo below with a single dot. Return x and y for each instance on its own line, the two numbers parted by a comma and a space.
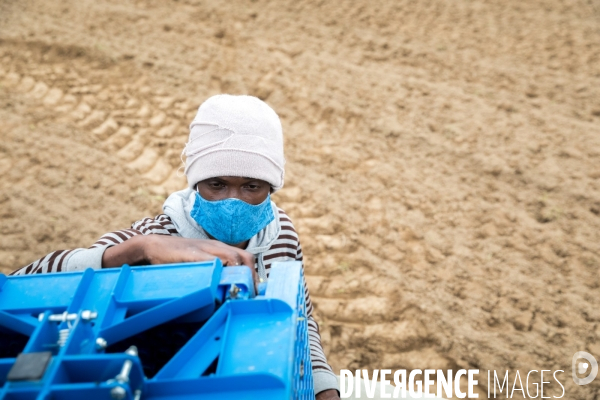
443, 157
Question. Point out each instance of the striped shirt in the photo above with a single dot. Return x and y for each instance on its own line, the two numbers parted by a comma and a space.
285, 248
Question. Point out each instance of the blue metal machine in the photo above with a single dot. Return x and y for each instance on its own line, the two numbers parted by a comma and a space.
180, 331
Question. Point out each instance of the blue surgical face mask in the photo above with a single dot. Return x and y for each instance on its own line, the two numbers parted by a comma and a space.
232, 221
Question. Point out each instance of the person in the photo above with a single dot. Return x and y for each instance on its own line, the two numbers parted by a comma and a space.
234, 162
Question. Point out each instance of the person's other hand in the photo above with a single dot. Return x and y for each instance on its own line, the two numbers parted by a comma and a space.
330, 394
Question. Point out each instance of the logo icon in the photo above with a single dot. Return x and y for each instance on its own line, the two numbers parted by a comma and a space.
581, 367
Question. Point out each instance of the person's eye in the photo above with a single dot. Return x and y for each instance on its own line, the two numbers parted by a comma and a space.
216, 185
252, 186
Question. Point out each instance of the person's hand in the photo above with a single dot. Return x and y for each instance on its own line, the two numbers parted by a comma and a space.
172, 249
330, 394
162, 249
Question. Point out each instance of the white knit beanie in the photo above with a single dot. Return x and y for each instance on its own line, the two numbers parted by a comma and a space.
235, 136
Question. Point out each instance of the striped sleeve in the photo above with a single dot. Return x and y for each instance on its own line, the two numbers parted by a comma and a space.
116, 237
55, 261
287, 248
160, 225
52, 262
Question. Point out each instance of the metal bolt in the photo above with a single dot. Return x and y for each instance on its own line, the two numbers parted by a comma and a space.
132, 351
87, 315
64, 317
101, 343
118, 393
233, 291
123, 376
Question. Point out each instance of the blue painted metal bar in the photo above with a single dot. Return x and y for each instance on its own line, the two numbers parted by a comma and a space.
18, 323
199, 352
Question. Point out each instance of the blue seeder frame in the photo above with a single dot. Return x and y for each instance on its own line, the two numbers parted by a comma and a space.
247, 346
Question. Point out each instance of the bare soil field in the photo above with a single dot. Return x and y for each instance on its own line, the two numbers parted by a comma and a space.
443, 157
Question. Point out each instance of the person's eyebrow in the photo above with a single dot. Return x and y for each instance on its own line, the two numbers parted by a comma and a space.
216, 178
